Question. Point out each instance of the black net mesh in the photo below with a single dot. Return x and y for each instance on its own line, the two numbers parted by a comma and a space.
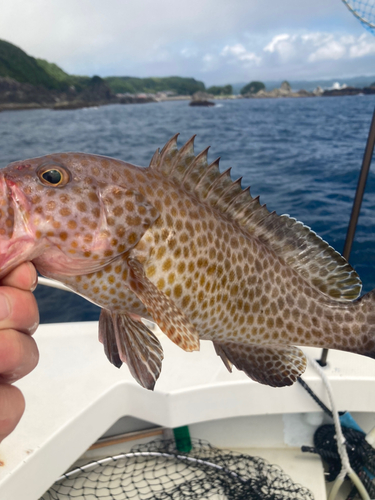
158, 471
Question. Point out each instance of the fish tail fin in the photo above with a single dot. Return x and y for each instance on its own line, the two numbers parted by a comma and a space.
366, 305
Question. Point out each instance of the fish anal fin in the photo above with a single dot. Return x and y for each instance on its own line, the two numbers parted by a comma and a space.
170, 319
134, 345
277, 366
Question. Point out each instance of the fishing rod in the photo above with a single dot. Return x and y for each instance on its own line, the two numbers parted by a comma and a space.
364, 11
366, 162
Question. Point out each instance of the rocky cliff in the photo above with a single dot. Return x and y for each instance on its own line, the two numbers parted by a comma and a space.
16, 95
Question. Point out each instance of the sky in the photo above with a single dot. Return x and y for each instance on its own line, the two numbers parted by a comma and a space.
215, 41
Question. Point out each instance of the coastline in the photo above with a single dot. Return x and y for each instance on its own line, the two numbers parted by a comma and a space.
56, 103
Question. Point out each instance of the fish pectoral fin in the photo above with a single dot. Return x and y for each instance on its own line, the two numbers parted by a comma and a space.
276, 366
127, 340
165, 313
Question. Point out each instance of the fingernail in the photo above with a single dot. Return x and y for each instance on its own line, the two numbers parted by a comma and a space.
35, 283
4, 307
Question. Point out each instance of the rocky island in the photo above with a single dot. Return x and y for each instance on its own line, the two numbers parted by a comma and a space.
285, 90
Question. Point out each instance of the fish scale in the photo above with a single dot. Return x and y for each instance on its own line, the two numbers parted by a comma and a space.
181, 244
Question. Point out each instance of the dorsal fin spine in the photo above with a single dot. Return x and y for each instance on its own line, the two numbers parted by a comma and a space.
155, 159
172, 140
201, 156
218, 181
186, 150
236, 198
211, 166
167, 150
228, 191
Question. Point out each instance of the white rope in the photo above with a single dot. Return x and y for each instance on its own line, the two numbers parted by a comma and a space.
346, 468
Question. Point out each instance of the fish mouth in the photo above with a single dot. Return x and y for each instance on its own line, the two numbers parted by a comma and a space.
17, 243
18, 204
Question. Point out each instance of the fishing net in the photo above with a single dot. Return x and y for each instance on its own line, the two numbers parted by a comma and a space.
364, 10
158, 471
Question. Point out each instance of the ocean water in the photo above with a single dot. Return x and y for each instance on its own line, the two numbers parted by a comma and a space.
302, 156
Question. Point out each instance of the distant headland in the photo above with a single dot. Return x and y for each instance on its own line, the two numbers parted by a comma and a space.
28, 83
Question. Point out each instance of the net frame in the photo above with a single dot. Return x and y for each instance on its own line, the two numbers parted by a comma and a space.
364, 11
157, 470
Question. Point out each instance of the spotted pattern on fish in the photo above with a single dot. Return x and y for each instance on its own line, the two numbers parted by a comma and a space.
184, 245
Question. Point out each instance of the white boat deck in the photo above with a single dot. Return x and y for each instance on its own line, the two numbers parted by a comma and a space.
75, 395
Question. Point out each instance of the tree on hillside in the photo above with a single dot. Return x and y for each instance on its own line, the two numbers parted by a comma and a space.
16, 64
177, 84
252, 88
216, 90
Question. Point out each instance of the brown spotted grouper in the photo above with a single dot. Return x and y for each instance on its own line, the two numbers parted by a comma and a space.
181, 244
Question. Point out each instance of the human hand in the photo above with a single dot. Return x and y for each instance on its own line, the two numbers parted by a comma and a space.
19, 318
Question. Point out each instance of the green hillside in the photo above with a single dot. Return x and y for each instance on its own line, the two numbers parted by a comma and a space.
177, 84
58, 74
16, 64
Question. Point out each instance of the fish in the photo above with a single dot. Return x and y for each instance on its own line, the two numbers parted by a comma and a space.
183, 245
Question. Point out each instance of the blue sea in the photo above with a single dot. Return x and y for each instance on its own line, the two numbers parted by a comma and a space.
302, 156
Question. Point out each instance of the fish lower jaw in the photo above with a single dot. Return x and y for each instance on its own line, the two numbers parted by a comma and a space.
14, 253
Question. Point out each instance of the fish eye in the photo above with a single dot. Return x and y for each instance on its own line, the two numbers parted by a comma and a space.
53, 175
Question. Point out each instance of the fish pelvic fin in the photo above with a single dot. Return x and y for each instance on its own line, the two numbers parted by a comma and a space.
169, 318
276, 366
130, 341
300, 247
108, 338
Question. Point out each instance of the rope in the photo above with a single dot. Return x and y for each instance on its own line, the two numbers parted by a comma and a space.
315, 397
346, 469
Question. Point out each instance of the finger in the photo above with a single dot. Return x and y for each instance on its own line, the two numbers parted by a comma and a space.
18, 310
18, 355
12, 406
23, 277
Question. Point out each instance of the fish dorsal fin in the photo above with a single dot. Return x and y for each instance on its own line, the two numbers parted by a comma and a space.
316, 261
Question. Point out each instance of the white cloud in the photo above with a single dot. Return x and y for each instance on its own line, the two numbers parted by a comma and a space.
326, 46
239, 53
364, 46
327, 49
314, 47
275, 43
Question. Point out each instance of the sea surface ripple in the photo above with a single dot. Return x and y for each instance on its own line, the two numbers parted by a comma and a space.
302, 156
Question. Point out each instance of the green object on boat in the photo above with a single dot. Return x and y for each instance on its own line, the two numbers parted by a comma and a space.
182, 438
